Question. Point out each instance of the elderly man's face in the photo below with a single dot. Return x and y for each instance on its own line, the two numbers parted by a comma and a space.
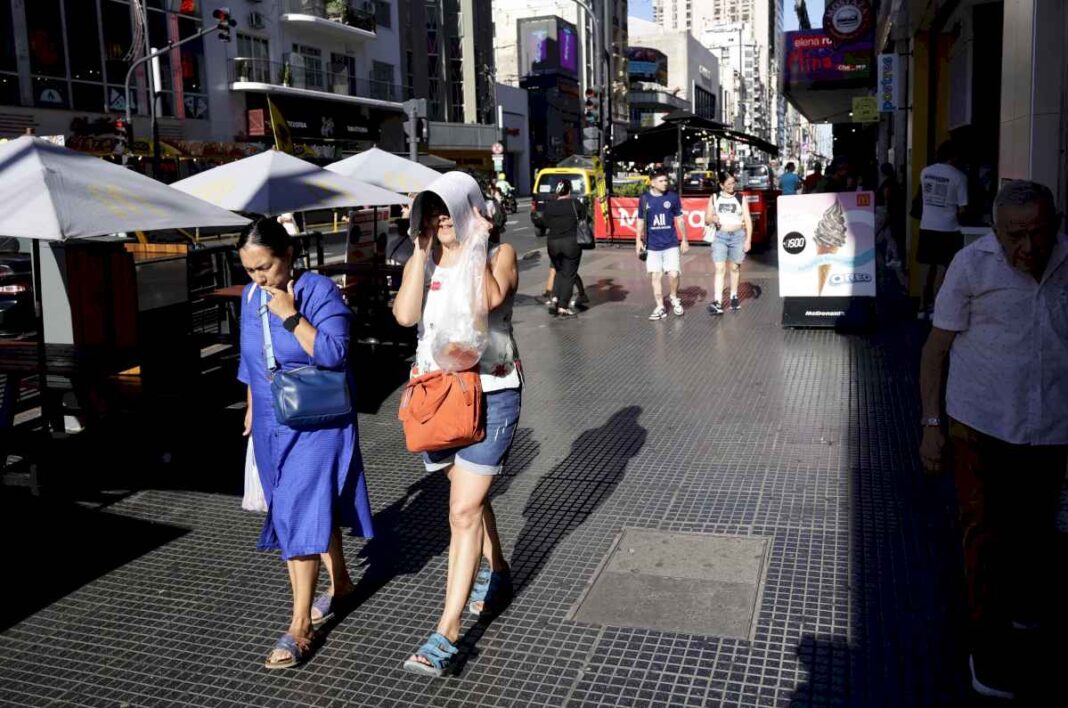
1027, 234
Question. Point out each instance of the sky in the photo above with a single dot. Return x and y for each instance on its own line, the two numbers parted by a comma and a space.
644, 10
641, 8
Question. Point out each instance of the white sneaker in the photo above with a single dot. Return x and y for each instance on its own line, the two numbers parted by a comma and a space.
659, 313
676, 307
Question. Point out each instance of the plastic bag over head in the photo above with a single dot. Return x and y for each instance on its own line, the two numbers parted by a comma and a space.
462, 327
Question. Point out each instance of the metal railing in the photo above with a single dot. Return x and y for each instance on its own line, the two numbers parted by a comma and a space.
313, 77
354, 14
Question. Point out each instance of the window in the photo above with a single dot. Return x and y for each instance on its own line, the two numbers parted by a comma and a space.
45, 29
254, 59
382, 81
83, 41
9, 82
383, 14
343, 75
307, 67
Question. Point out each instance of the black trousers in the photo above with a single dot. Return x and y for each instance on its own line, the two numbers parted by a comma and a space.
565, 255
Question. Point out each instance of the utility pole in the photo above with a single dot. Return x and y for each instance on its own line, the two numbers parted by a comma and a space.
225, 24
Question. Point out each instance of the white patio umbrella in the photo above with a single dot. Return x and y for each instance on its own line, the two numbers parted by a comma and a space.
386, 170
50, 193
274, 182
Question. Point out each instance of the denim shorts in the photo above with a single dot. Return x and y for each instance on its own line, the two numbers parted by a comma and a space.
729, 246
486, 457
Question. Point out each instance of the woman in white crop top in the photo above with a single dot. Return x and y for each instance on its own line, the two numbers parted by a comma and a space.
450, 211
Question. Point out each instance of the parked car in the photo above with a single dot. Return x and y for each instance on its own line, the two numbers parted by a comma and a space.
699, 183
756, 176
584, 183
16, 294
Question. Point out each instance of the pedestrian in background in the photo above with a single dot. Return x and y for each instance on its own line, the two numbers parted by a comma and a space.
790, 183
1001, 320
813, 180
732, 237
660, 227
312, 478
562, 217
890, 215
944, 190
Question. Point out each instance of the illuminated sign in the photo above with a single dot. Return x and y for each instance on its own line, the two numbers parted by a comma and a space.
812, 58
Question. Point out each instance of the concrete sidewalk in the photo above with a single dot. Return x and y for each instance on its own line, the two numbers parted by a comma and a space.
796, 445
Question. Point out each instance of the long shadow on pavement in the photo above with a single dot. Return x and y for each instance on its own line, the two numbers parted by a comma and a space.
564, 499
905, 585
57, 547
414, 529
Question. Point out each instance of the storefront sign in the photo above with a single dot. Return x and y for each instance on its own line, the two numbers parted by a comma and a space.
812, 58
647, 64
257, 126
865, 109
847, 21
889, 81
827, 245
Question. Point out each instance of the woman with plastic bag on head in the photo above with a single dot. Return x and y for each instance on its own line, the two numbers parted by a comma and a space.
459, 289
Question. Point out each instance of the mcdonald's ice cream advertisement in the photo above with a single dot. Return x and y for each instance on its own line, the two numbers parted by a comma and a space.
827, 245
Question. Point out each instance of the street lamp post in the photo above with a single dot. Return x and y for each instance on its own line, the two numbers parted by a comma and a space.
225, 23
602, 67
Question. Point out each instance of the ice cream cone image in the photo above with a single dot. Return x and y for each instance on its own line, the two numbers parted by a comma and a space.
829, 237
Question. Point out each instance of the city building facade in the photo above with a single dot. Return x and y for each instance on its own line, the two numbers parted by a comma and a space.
670, 70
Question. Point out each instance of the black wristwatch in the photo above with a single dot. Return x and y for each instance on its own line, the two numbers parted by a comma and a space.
290, 323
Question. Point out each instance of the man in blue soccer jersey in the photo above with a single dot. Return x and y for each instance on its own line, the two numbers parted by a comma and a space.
660, 224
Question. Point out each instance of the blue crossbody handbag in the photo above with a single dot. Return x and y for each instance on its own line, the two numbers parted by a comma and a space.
306, 397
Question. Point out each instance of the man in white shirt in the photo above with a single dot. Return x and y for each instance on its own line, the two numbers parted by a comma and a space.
1001, 318
945, 192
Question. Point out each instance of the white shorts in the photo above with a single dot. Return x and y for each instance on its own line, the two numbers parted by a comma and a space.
666, 261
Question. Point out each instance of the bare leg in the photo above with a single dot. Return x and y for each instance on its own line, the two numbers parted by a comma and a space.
467, 500
736, 277
303, 575
939, 277
717, 282
673, 285
491, 542
552, 279
927, 297
334, 561
658, 289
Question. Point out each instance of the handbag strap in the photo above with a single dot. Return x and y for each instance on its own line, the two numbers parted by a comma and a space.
268, 346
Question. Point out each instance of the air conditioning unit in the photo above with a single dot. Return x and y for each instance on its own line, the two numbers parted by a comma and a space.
256, 20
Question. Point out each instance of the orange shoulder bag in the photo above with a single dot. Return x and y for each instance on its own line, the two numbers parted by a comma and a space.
442, 410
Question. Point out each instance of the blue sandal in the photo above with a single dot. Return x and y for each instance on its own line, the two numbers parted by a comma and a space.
325, 604
438, 653
493, 590
299, 651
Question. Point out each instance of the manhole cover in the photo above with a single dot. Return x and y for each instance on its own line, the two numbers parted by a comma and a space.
678, 582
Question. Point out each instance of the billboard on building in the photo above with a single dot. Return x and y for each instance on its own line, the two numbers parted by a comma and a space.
647, 64
812, 59
547, 45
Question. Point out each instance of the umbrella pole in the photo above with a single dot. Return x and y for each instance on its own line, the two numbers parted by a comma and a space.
38, 310
678, 167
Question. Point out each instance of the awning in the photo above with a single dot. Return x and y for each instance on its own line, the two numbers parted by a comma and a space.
654, 144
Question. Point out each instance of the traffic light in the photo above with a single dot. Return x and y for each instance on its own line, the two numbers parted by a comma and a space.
123, 133
222, 16
592, 111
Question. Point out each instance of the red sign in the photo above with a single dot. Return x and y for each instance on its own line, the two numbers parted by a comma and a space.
257, 127
623, 213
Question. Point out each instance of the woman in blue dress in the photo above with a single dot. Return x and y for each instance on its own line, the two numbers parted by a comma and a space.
312, 479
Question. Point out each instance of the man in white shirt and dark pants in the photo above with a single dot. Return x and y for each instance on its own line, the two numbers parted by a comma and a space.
944, 189
1001, 318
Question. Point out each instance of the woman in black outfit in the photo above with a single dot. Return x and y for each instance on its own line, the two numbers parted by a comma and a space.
562, 217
